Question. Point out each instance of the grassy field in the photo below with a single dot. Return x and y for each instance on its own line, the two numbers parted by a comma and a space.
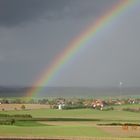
68, 128
52, 131
79, 113
136, 106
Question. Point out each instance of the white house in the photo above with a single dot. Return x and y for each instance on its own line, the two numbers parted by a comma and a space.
60, 106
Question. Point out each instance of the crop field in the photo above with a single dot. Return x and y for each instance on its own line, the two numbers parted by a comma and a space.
136, 106
74, 123
18, 106
79, 113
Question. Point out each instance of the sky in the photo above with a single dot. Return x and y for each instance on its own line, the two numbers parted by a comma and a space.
33, 32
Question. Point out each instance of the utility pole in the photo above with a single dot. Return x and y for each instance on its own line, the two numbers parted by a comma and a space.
121, 83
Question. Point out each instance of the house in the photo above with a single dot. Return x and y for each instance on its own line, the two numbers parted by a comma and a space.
60, 106
131, 101
98, 104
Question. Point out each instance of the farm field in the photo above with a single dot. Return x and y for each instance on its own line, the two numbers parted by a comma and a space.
79, 113
73, 123
69, 70
136, 106
52, 131
18, 106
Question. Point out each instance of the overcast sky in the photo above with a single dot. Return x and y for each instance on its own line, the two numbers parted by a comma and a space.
33, 32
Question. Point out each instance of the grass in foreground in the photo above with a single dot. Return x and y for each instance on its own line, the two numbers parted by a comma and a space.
75, 132
52, 131
34, 128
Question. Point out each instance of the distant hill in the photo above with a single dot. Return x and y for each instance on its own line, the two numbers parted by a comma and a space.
70, 91
12, 91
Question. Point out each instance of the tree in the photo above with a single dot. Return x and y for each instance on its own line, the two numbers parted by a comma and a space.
12, 121
23, 107
43, 101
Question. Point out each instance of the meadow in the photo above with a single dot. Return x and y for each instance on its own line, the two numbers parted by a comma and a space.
79, 113
73, 123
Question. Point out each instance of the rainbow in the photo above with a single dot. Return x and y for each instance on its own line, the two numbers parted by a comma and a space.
76, 44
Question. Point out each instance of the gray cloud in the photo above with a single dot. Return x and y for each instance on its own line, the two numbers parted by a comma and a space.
13, 12
16, 12
25, 51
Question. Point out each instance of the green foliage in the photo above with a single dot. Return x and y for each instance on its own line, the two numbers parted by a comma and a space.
7, 122
64, 119
15, 116
5, 101
18, 101
108, 108
43, 101
55, 107
78, 106
120, 124
23, 107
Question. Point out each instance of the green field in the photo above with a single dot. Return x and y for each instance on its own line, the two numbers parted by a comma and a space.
66, 125
80, 113
51, 131
127, 106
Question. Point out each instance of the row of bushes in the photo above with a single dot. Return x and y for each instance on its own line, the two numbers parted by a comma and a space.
108, 108
121, 124
63, 119
74, 107
7, 122
16, 115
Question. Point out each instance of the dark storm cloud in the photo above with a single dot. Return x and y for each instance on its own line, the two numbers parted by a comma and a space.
15, 12
34, 32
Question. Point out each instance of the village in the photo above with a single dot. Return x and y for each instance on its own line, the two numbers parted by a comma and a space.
62, 103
